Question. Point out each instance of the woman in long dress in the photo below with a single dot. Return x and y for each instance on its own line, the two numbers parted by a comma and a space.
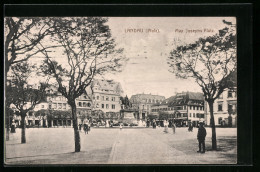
165, 126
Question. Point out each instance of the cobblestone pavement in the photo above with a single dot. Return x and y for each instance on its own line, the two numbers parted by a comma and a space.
112, 146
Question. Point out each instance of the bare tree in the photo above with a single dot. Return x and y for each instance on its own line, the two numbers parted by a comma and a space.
22, 35
212, 62
21, 95
88, 51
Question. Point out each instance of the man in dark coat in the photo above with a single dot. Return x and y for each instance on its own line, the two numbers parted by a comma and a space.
201, 137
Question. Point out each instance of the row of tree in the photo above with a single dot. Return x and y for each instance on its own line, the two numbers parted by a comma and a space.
73, 51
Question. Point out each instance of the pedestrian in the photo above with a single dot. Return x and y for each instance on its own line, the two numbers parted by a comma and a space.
154, 124
201, 137
80, 127
173, 127
13, 127
191, 127
86, 126
121, 126
165, 126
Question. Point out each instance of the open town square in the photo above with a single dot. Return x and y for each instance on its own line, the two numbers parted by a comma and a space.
114, 146
156, 90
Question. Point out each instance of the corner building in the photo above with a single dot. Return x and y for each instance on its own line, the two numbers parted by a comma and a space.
142, 103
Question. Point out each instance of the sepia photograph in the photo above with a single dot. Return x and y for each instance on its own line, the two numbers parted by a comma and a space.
120, 90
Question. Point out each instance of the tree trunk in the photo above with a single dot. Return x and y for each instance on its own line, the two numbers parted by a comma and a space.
212, 123
7, 120
23, 126
7, 111
75, 127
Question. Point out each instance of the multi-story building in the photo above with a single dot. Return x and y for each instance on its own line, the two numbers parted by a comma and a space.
183, 107
55, 111
142, 103
224, 108
106, 96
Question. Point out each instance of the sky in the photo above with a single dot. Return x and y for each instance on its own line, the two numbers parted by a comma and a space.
147, 42
149, 46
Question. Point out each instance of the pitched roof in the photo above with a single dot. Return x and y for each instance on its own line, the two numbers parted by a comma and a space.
143, 97
108, 85
186, 98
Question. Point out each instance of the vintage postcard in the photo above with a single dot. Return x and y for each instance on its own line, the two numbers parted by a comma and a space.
120, 90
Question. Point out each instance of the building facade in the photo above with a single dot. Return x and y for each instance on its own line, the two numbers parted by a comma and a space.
182, 108
106, 96
142, 103
224, 109
102, 101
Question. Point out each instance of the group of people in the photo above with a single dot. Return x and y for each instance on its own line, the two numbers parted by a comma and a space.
86, 126
166, 124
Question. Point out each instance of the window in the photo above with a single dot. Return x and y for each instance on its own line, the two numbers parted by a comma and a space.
185, 115
190, 107
42, 106
193, 107
64, 105
113, 99
97, 97
102, 97
143, 106
230, 107
202, 115
89, 104
97, 105
113, 106
193, 115
107, 106
184, 107
55, 105
107, 98
220, 107
80, 104
230, 94
102, 106
49, 106
190, 114
85, 97
84, 104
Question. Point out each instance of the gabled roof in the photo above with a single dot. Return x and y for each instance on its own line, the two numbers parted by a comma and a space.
108, 85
